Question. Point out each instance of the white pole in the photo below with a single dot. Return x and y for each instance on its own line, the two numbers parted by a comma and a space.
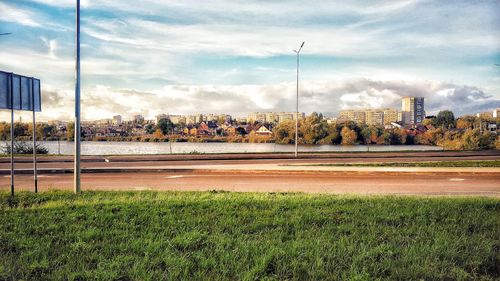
12, 134
12, 151
297, 106
34, 138
77, 103
297, 112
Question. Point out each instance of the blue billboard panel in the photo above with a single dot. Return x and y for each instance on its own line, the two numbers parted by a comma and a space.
26, 93
19, 92
16, 91
4, 90
37, 95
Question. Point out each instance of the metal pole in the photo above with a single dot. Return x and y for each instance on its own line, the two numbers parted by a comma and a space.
297, 112
77, 170
12, 152
297, 105
34, 138
12, 134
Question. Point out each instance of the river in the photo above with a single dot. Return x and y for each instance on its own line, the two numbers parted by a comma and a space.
122, 148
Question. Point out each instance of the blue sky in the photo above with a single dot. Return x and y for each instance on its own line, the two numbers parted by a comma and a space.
162, 56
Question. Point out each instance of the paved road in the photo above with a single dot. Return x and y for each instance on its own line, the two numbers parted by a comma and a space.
246, 159
249, 173
326, 182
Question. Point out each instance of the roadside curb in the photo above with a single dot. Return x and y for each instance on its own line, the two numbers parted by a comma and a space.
488, 171
252, 156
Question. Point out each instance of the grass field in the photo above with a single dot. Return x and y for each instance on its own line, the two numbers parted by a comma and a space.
246, 236
463, 163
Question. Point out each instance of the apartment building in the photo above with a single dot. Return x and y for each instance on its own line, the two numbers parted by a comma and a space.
273, 117
374, 117
358, 116
415, 107
391, 115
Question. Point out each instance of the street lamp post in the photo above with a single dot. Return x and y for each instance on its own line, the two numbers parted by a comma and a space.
77, 170
297, 105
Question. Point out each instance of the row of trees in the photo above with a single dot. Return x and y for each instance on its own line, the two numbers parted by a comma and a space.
465, 133
314, 129
43, 130
442, 130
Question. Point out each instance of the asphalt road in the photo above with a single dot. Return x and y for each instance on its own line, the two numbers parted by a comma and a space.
234, 173
245, 159
376, 183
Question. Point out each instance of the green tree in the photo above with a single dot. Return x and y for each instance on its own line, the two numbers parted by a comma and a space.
165, 125
333, 134
70, 131
366, 134
445, 119
150, 128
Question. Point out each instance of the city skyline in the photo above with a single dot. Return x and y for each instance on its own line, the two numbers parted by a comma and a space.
188, 57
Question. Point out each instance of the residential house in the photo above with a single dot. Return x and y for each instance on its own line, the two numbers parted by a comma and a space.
263, 131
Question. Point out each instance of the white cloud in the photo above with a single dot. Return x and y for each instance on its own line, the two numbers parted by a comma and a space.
51, 46
327, 96
62, 3
10, 13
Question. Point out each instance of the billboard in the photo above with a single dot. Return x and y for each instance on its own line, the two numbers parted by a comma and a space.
19, 92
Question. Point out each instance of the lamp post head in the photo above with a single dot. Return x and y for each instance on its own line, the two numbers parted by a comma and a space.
7, 33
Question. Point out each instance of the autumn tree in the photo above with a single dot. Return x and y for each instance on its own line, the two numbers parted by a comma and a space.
284, 132
158, 134
397, 136
471, 139
430, 121
349, 136
4, 131
313, 128
466, 122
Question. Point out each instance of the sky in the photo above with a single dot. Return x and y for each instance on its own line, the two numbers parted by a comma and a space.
216, 56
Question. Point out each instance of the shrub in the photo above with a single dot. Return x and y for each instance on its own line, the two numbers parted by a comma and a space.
21, 147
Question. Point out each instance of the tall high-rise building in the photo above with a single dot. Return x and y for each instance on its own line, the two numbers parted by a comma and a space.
415, 106
117, 119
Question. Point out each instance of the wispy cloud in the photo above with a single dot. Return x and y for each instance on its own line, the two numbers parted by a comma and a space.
191, 55
13, 14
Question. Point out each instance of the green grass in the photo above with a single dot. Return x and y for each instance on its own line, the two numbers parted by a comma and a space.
246, 236
463, 163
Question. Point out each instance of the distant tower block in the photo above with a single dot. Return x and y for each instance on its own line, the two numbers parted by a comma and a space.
415, 107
